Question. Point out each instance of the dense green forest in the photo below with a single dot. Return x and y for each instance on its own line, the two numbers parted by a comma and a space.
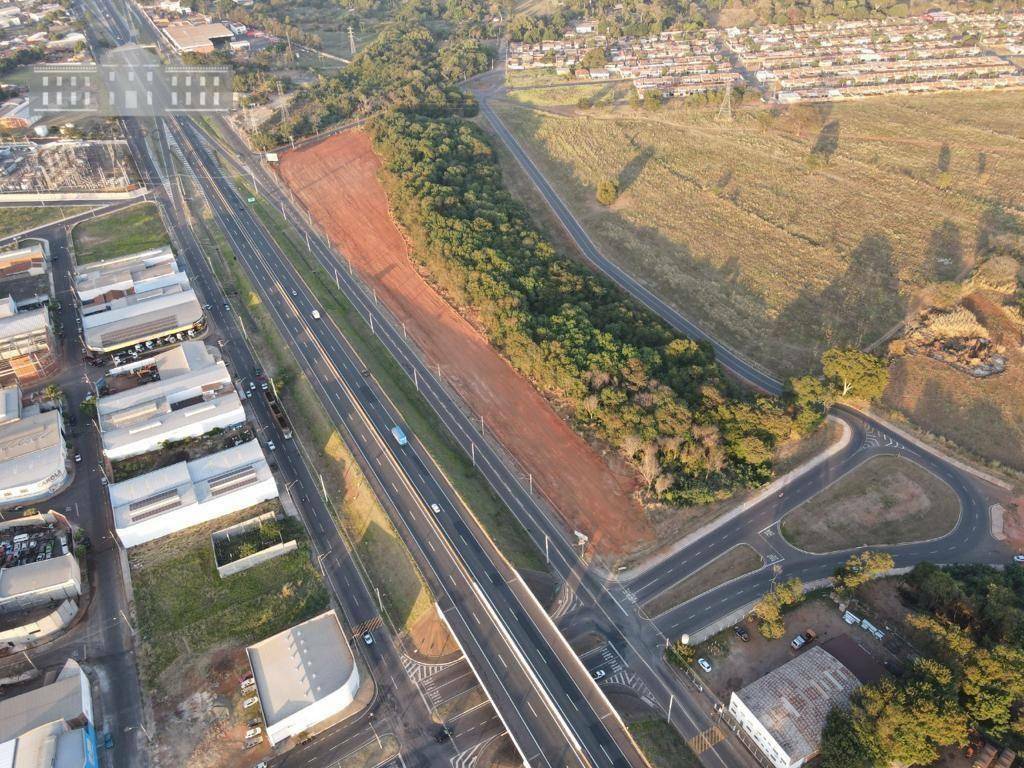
626, 377
969, 625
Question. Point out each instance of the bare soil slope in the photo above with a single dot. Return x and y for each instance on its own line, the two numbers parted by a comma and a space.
337, 181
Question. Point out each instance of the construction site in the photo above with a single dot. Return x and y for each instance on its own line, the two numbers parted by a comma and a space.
66, 167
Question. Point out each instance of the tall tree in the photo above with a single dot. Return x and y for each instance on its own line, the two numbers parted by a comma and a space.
855, 373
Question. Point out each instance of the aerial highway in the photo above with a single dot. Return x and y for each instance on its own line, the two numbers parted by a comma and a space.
460, 562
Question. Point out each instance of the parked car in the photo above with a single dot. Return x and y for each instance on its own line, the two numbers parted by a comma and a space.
252, 733
597, 674
367, 638
801, 640
252, 701
704, 664
741, 633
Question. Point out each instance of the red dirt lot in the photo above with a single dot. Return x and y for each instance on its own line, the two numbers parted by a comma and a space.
337, 181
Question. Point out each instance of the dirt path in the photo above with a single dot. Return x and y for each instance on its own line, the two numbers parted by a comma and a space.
337, 181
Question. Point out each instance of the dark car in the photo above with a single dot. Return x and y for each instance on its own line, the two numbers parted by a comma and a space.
443, 735
741, 633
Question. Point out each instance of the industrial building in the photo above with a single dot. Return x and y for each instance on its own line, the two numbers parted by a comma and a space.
133, 300
37, 562
304, 676
784, 712
51, 726
33, 453
183, 392
198, 38
27, 344
188, 493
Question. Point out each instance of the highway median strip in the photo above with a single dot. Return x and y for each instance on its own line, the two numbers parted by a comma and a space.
499, 523
389, 564
738, 561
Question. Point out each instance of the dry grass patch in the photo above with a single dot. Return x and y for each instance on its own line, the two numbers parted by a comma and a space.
886, 500
737, 561
786, 231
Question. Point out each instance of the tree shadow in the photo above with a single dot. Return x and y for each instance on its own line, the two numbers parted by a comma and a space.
632, 170
997, 228
828, 140
945, 252
854, 309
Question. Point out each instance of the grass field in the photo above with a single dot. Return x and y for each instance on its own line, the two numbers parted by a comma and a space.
381, 550
129, 230
786, 231
662, 745
15, 220
736, 562
184, 607
886, 500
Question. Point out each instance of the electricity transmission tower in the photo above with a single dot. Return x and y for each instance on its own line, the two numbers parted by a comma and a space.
725, 110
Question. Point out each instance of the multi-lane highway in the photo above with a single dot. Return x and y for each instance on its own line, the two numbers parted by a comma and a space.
542, 692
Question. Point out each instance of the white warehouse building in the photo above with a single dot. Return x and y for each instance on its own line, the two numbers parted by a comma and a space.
177, 497
304, 676
184, 392
33, 454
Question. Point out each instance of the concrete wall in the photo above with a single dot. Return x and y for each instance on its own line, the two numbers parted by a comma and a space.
244, 563
71, 197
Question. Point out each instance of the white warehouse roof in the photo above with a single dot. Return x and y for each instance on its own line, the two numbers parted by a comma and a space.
191, 492
304, 675
193, 395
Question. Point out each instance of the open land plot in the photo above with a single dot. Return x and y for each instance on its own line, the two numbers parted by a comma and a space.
983, 416
737, 561
662, 744
886, 500
337, 181
129, 230
15, 220
789, 230
185, 608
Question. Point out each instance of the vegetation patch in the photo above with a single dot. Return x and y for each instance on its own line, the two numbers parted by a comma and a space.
662, 744
175, 451
732, 564
886, 500
185, 608
129, 230
15, 220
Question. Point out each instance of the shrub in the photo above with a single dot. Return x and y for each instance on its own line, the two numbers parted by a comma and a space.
607, 191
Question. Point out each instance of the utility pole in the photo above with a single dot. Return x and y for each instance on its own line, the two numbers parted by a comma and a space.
351, 40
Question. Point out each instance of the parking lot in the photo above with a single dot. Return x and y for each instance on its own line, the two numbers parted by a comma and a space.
735, 663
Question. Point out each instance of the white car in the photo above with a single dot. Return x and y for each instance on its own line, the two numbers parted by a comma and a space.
435, 509
704, 664
316, 314
367, 638
78, 458
271, 446
250, 702
597, 674
1018, 558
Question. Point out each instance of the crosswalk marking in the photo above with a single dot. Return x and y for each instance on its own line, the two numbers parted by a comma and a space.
705, 740
367, 626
